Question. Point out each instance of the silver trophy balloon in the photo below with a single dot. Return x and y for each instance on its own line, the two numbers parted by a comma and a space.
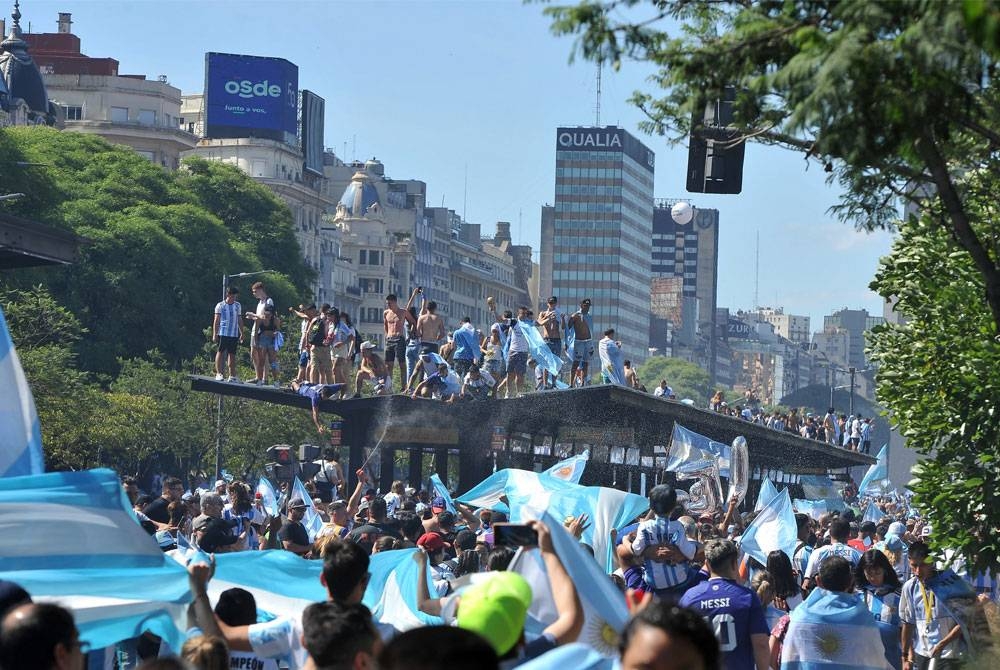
739, 470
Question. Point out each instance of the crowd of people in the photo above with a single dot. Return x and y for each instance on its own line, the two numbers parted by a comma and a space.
852, 592
849, 431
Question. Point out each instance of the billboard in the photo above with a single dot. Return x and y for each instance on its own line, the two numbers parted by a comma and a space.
605, 139
251, 96
313, 108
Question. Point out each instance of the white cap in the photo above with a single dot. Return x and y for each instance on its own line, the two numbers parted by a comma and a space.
365, 346
926, 531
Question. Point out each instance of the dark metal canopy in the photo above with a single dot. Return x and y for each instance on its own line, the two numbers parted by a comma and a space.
25, 243
539, 428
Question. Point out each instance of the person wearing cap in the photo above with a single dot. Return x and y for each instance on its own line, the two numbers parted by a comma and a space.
582, 323
293, 535
497, 606
441, 573
928, 605
372, 368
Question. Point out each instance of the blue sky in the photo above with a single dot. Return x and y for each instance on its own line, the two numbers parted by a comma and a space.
438, 90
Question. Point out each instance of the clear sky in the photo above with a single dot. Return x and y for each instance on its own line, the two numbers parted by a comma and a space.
449, 92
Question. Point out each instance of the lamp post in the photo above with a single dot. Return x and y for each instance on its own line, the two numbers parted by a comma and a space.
219, 437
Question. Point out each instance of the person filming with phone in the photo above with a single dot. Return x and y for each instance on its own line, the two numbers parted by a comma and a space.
497, 607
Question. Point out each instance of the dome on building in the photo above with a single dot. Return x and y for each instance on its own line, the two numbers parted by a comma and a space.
360, 199
19, 72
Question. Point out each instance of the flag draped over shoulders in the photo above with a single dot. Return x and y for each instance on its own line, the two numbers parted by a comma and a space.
832, 631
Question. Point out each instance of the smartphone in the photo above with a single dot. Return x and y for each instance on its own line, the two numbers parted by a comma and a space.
514, 535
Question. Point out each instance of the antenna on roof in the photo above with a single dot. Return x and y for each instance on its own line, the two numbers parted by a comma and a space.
597, 107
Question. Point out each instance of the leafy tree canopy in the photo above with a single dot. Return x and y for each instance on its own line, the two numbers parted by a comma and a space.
894, 99
157, 242
686, 379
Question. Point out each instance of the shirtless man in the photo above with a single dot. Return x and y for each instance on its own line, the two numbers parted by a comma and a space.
631, 378
582, 323
430, 329
553, 322
394, 320
372, 367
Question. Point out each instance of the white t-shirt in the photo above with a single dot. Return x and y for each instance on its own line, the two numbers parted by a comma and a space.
391, 503
820, 554
261, 305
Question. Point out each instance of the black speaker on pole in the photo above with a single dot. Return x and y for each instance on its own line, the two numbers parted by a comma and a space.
715, 150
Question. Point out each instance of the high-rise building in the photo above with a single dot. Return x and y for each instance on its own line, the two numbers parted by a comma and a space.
792, 327
687, 256
602, 226
855, 322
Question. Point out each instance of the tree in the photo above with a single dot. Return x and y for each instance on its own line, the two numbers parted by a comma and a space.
939, 373
894, 99
897, 101
686, 379
149, 272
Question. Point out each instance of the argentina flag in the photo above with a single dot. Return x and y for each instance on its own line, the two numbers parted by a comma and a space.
441, 491
21, 452
773, 529
876, 480
833, 631
570, 469
686, 440
72, 538
532, 494
312, 520
767, 491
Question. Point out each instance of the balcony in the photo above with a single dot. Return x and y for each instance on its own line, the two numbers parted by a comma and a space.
353, 290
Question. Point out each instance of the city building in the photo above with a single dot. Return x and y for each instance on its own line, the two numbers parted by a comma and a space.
789, 326
599, 243
23, 97
855, 323
684, 285
93, 98
393, 243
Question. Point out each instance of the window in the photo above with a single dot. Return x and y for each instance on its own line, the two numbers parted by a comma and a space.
119, 114
148, 155
371, 285
147, 117
370, 257
74, 113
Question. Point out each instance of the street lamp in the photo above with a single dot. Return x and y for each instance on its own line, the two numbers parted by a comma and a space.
219, 437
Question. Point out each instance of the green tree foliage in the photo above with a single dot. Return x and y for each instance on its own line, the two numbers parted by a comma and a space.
686, 379
897, 101
940, 374
885, 95
151, 269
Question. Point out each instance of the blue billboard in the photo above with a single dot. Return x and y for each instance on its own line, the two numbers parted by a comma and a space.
251, 96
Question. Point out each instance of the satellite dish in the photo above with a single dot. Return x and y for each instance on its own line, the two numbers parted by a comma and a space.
682, 213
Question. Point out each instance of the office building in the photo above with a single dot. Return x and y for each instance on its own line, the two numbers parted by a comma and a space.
855, 323
93, 98
789, 326
599, 242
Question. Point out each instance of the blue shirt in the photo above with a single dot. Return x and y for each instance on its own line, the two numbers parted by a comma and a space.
229, 318
466, 344
314, 391
735, 612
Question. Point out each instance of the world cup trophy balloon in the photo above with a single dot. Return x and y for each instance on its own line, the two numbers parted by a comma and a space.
739, 470
705, 494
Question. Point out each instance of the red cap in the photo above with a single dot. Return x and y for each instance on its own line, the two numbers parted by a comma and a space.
432, 542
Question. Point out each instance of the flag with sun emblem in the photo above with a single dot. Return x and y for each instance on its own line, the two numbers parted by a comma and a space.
605, 612
571, 469
833, 631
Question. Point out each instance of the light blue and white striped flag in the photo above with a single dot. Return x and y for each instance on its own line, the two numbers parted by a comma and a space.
576, 655
539, 349
833, 631
773, 529
767, 491
818, 487
873, 513
531, 494
21, 447
817, 508
391, 594
605, 612
570, 469
268, 496
312, 520
440, 490
72, 538
876, 480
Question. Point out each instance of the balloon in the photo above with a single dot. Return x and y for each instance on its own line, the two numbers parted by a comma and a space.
682, 213
705, 494
739, 470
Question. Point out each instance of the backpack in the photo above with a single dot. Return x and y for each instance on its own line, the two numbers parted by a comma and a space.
317, 333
